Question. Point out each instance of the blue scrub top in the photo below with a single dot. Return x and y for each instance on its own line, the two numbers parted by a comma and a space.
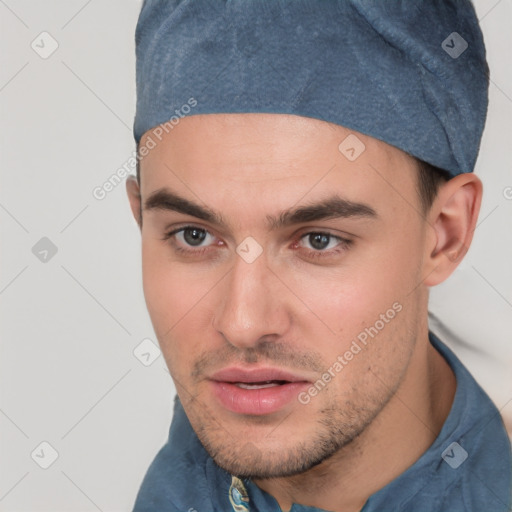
468, 468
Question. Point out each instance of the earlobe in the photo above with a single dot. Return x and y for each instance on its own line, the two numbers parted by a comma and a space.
133, 191
453, 220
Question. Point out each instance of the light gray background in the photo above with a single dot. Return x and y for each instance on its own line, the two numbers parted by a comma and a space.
69, 325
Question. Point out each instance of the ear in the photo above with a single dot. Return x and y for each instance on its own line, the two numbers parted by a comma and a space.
453, 218
133, 191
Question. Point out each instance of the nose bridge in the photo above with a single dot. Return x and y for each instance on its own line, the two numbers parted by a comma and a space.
249, 308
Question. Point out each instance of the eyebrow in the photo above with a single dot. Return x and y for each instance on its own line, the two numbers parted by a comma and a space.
333, 207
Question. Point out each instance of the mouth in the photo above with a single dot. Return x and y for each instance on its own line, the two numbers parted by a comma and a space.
256, 391
260, 385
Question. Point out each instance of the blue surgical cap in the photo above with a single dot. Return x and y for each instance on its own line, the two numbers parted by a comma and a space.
408, 72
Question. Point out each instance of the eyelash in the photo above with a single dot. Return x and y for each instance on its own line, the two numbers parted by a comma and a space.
343, 245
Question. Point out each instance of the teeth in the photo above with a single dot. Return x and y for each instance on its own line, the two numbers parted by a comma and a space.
257, 385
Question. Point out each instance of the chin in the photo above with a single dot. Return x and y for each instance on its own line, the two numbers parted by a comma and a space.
270, 458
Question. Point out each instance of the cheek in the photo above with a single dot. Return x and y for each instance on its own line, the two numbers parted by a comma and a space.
177, 298
160, 286
169, 292
342, 302
390, 269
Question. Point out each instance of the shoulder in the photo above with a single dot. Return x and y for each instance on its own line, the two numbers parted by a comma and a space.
471, 458
468, 467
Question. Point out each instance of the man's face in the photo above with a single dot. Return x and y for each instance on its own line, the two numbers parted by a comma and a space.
285, 334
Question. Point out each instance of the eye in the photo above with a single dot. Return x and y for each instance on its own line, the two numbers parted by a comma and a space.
320, 241
193, 236
323, 244
190, 236
194, 241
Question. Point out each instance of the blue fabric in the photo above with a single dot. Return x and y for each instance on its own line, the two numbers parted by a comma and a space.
184, 478
390, 69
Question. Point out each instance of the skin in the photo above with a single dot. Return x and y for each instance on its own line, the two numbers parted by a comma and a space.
291, 310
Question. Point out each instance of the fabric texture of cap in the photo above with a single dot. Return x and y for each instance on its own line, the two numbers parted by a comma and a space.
410, 73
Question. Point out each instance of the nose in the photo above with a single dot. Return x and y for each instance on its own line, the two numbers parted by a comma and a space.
252, 304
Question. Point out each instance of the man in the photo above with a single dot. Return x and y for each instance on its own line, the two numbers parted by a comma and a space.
305, 178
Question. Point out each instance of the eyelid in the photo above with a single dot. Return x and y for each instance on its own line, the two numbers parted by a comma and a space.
176, 229
170, 235
328, 231
342, 245
306, 231
343, 242
332, 235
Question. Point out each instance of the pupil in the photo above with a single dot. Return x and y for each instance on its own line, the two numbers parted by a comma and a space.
194, 236
319, 240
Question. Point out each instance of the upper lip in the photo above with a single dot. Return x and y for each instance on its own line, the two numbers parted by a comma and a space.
234, 374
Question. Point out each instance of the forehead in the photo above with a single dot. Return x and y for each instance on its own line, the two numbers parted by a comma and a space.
231, 158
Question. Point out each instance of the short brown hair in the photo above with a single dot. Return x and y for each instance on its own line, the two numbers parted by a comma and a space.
429, 180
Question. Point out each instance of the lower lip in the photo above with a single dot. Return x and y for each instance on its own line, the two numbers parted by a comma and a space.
256, 401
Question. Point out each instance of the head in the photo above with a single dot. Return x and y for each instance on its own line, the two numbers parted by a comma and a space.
263, 246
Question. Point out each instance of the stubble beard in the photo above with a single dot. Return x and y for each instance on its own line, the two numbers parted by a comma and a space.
336, 427
328, 429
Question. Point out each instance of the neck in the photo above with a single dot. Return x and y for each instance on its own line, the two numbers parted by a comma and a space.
396, 438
